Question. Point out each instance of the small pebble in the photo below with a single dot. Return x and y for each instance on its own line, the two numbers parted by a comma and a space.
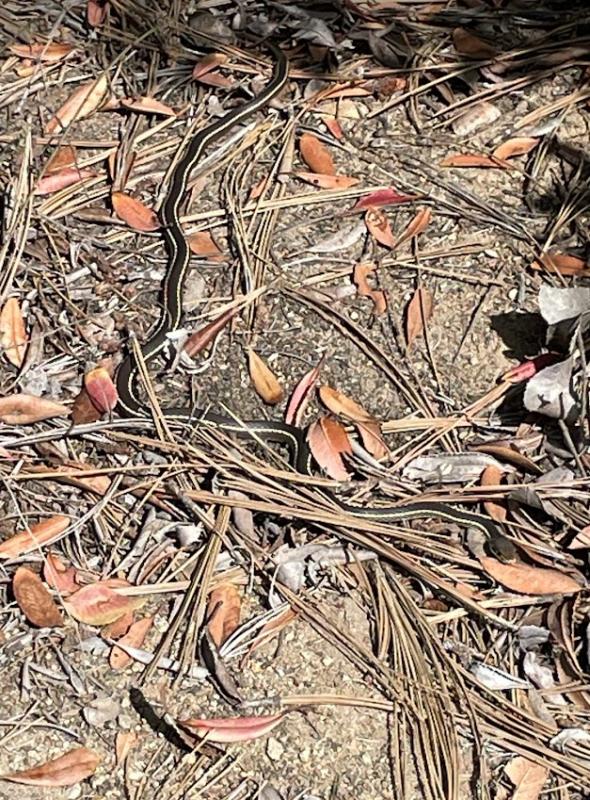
274, 749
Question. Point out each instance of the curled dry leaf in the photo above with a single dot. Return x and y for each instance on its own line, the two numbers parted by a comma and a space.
379, 227
147, 105
217, 80
527, 777
99, 603
134, 637
57, 180
59, 576
301, 394
327, 441
47, 52
474, 160
135, 213
316, 155
526, 579
492, 476
327, 181
343, 406
13, 335
101, 390
117, 629
418, 312
383, 197
223, 611
66, 770
468, 44
519, 146
202, 244
39, 535
372, 438
378, 296
83, 102
239, 729
34, 600
264, 380
416, 226
202, 338
561, 264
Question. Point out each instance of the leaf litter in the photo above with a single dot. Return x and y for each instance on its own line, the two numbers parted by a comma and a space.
335, 614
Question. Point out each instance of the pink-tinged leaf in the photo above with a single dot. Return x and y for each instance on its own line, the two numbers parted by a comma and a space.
68, 176
135, 213
99, 604
526, 370
96, 12
66, 770
208, 63
34, 600
49, 53
527, 579
383, 197
217, 80
13, 334
134, 637
474, 160
301, 395
316, 155
327, 441
226, 730
147, 105
264, 380
118, 628
83, 102
562, 264
60, 577
416, 226
334, 127
327, 181
519, 146
342, 405
63, 157
101, 390
370, 433
125, 741
203, 244
223, 611
24, 409
40, 535
202, 338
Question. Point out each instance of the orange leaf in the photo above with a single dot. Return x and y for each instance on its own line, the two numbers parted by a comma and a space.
383, 197
206, 64
217, 80
473, 160
73, 767
98, 603
469, 45
264, 379
59, 180
316, 155
492, 476
223, 612
202, 244
39, 535
84, 101
238, 729
327, 441
562, 264
334, 127
50, 52
61, 578
518, 146
118, 628
418, 313
301, 394
70, 473
63, 157
13, 335
527, 776
327, 181
135, 213
24, 409
342, 405
135, 636
526, 579
416, 226
379, 228
372, 439
34, 600
125, 741
378, 296
101, 389
96, 12
202, 338
147, 105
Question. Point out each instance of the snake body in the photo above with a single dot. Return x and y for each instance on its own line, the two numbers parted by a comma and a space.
278, 432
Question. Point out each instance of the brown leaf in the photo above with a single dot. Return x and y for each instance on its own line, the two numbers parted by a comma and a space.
264, 380
99, 604
217, 80
379, 228
206, 64
418, 313
63, 157
383, 197
135, 637
378, 296
518, 146
13, 335
474, 160
480, 115
118, 628
96, 12
202, 244
526, 579
562, 264
47, 52
74, 766
147, 105
68, 176
125, 741
300, 396
327, 181
416, 226
69, 473
39, 535
83, 409
202, 338
581, 540
316, 155
24, 409
84, 101
372, 438
327, 440
34, 600
60, 577
469, 45
235, 729
527, 776
492, 476
510, 454
343, 406
334, 127
101, 390
135, 213
223, 611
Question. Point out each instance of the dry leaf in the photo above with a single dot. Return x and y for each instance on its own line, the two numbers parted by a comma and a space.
301, 394
47, 52
469, 45
342, 405
378, 296
56, 181
206, 64
518, 146
60, 577
101, 390
379, 228
96, 12
492, 476
202, 338
237, 729
99, 603
63, 157
13, 335
217, 80
561, 264
327, 181
529, 580
135, 637
39, 535
73, 767
83, 102
474, 160
527, 776
24, 409
316, 155
223, 611
70, 474
202, 244
264, 380
34, 600
372, 438
418, 313
135, 213
125, 741
147, 105
268, 631
480, 115
383, 197
334, 127
327, 440
118, 628
416, 226
83, 409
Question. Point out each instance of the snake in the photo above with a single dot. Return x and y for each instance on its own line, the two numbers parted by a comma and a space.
294, 438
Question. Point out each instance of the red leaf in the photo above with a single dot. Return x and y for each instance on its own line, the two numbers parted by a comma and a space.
383, 197
327, 440
202, 338
526, 370
238, 729
68, 176
99, 604
96, 12
66, 770
34, 600
101, 390
301, 394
